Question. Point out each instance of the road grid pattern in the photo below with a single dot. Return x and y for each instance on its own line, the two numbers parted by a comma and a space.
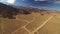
35, 23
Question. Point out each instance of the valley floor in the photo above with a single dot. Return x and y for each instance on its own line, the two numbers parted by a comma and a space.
35, 23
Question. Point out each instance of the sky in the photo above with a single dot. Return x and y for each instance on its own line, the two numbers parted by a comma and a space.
41, 4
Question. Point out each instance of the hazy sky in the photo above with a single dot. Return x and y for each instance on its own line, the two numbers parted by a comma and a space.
45, 4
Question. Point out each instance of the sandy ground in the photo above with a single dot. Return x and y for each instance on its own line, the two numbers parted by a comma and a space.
35, 23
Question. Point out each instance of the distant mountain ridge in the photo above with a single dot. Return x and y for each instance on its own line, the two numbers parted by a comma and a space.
11, 11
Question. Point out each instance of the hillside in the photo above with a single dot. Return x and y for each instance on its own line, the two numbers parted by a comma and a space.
10, 12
